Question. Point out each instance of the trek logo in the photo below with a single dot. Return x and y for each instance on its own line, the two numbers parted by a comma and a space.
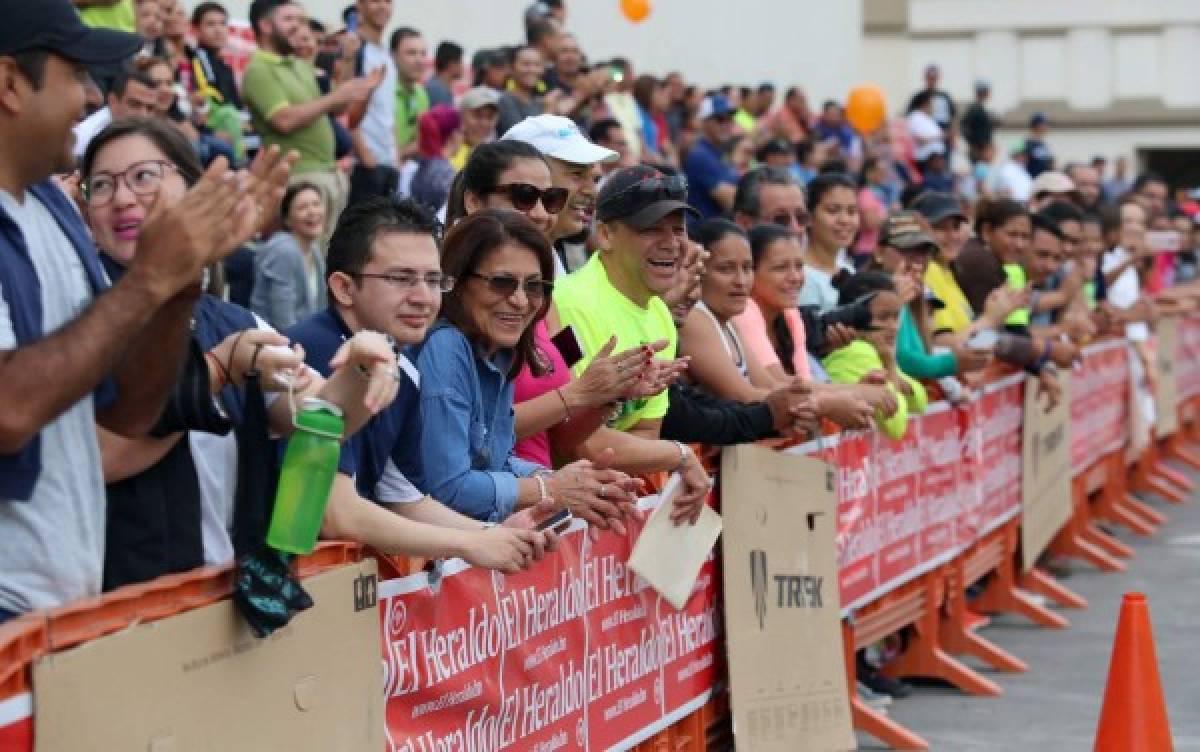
365, 595
758, 584
791, 590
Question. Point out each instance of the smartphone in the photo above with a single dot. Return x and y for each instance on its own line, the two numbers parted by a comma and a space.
984, 339
352, 21
568, 346
1163, 241
558, 522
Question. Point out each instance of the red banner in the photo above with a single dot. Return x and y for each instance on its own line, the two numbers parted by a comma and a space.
1099, 403
16, 723
1187, 357
578, 652
905, 506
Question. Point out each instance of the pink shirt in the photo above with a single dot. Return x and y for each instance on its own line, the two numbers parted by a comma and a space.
869, 204
536, 448
753, 330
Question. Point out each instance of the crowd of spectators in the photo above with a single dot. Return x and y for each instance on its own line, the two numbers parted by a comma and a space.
527, 284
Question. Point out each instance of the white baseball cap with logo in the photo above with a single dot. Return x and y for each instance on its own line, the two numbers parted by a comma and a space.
559, 137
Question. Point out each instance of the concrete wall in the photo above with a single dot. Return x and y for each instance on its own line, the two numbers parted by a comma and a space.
807, 42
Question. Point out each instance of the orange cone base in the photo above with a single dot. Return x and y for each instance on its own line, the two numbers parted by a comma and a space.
1134, 715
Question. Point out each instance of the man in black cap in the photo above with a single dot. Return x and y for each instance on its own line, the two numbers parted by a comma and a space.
63, 331
640, 215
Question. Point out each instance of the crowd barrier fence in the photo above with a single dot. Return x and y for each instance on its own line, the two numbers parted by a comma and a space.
578, 649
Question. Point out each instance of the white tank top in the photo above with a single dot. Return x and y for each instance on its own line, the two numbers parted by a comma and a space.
729, 338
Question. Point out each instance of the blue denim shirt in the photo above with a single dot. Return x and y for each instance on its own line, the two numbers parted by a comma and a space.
467, 427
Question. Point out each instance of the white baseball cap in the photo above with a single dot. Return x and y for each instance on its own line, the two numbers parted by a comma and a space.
559, 137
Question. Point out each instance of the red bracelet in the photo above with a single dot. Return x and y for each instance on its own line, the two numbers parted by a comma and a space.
222, 374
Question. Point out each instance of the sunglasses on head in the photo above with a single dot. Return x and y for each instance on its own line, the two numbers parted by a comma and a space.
644, 192
524, 197
505, 285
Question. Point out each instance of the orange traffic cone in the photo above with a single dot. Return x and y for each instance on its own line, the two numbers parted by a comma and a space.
1134, 716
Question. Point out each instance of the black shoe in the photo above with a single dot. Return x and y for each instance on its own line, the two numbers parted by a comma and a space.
877, 682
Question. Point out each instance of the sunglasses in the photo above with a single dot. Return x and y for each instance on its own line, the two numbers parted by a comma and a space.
785, 219
644, 192
524, 197
505, 285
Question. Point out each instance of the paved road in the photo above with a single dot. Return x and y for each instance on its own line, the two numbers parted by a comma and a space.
1056, 705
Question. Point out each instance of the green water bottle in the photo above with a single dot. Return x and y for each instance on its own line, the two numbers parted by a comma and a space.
309, 466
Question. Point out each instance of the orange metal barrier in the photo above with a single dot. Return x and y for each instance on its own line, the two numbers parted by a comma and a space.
933, 607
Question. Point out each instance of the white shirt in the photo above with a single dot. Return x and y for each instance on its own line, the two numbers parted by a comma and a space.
818, 286
926, 135
89, 128
1013, 180
1125, 291
52, 546
379, 122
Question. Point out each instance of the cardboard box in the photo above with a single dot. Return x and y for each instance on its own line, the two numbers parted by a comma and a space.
200, 680
782, 612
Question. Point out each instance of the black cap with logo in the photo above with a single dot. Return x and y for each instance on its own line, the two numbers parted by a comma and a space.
55, 25
640, 196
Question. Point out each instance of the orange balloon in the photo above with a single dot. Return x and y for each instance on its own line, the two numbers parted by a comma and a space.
866, 109
636, 10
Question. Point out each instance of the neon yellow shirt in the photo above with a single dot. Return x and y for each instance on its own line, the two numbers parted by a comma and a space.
854, 361
1018, 281
745, 121
119, 16
589, 303
459, 160
957, 314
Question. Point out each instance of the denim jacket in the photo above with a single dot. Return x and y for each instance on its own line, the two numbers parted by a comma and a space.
467, 427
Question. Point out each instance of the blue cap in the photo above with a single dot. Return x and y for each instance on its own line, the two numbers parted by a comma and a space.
715, 106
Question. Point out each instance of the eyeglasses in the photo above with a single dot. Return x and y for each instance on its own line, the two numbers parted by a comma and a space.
631, 199
524, 196
407, 280
143, 178
785, 219
505, 285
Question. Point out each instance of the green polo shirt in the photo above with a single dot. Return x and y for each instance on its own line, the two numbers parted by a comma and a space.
271, 83
410, 103
119, 16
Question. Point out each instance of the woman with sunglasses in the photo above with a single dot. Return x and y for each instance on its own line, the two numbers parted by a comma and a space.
502, 266
181, 487
561, 416
507, 175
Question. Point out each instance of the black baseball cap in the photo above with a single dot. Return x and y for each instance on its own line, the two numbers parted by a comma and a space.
935, 206
640, 196
55, 25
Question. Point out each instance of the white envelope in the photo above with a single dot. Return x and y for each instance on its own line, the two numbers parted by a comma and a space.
669, 557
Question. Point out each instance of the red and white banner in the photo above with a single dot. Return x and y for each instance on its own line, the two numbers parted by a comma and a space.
576, 653
16, 723
1187, 357
907, 506
1099, 404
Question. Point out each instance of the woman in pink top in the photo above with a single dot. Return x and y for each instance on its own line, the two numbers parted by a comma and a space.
771, 326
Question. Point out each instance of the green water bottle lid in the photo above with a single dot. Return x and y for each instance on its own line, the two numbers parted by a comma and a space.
320, 417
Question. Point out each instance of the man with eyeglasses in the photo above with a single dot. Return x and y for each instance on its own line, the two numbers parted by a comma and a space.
771, 195
712, 182
384, 274
573, 161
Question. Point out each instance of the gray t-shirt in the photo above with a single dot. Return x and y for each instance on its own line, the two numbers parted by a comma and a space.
379, 123
52, 546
